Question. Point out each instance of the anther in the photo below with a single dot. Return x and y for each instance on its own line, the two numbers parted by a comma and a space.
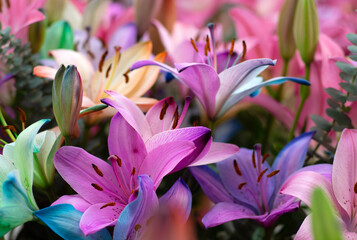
206, 52
97, 170
273, 173
165, 105
88, 37
133, 171
194, 45
108, 71
208, 44
91, 55
232, 47
244, 49
117, 48
176, 117
355, 188
265, 157
126, 76
253, 159
236, 167
107, 205
261, 174
101, 62
132, 191
96, 186
137, 227
241, 185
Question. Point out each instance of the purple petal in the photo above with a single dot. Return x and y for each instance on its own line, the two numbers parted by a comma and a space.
222, 59
225, 212
76, 201
203, 80
291, 158
99, 216
132, 113
117, 39
323, 169
164, 158
135, 215
305, 230
211, 184
178, 199
77, 168
163, 66
344, 171
127, 144
217, 152
282, 204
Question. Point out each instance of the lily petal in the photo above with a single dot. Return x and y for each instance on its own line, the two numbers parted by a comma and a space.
163, 66
211, 184
64, 219
178, 198
76, 201
135, 215
45, 72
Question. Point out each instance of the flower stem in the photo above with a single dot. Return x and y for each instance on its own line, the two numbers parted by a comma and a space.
3, 123
304, 94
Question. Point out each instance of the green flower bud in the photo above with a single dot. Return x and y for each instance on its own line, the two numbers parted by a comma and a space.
67, 94
287, 45
36, 34
306, 29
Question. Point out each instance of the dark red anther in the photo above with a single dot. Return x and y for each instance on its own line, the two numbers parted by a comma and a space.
273, 173
97, 170
176, 118
101, 62
261, 174
241, 185
108, 71
107, 205
165, 105
236, 167
96, 186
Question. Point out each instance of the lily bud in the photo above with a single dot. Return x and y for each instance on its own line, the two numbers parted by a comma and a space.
36, 34
54, 9
287, 45
67, 95
145, 11
306, 29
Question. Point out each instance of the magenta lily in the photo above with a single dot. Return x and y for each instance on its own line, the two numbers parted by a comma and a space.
105, 189
163, 117
247, 187
341, 189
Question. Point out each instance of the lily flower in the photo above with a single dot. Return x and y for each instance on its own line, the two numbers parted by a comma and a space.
164, 116
219, 85
112, 74
341, 188
105, 189
247, 187
17, 202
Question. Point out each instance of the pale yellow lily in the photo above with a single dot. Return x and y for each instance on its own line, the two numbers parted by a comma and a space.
112, 74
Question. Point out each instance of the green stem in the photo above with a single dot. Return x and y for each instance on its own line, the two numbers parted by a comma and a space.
3, 122
304, 94
85, 136
268, 233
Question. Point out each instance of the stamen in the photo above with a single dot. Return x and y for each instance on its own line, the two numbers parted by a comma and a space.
126, 76
355, 188
132, 191
206, 53
101, 62
195, 123
118, 172
265, 157
194, 45
22, 116
133, 171
232, 47
165, 105
9, 127
261, 175
244, 50
108, 71
117, 48
236, 167
273, 173
107, 205
253, 159
241, 185
88, 37
208, 44
97, 170
91, 55
96, 186
176, 117
137, 227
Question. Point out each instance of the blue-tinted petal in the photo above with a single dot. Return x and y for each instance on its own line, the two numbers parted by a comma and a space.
64, 219
135, 215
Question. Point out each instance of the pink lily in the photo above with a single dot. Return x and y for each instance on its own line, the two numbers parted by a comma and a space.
341, 189
164, 117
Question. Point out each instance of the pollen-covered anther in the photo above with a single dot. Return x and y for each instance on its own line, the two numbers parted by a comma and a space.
107, 205
126, 76
133, 171
208, 44
137, 227
108, 71
236, 167
273, 173
101, 62
265, 157
132, 191
96, 186
165, 105
253, 160
97, 170
241, 185
194, 45
175, 118
261, 174
117, 48
355, 188
232, 47
244, 49
91, 54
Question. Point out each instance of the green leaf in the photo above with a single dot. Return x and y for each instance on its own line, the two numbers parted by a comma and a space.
337, 95
352, 98
347, 68
353, 57
349, 87
321, 122
352, 37
324, 222
92, 109
332, 103
340, 117
352, 48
